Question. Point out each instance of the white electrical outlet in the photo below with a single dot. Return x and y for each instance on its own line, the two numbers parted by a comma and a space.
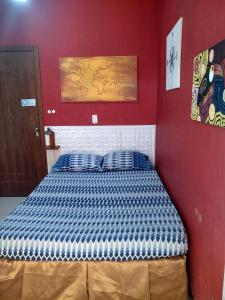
94, 119
223, 296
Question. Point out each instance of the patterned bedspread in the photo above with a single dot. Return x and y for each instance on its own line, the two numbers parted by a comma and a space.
123, 215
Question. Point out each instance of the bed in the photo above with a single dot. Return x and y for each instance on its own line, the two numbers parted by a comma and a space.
94, 235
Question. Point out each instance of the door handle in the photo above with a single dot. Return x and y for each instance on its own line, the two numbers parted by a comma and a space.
36, 130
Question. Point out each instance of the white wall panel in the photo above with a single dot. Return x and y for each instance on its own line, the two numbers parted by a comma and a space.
102, 139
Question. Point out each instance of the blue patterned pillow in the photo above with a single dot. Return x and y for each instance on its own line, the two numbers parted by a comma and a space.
78, 162
126, 160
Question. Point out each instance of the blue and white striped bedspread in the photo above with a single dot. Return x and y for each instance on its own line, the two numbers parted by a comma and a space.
123, 215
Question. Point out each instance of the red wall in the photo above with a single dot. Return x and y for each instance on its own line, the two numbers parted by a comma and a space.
190, 155
87, 28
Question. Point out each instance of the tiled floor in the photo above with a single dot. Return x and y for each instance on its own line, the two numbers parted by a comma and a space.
7, 205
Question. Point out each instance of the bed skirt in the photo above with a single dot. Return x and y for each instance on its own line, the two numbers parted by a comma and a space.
158, 279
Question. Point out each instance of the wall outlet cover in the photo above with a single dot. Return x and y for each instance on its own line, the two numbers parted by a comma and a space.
223, 296
94, 119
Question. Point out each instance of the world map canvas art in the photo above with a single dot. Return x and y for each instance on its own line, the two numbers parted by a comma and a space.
208, 91
91, 79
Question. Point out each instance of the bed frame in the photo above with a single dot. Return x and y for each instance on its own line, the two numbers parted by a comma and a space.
157, 279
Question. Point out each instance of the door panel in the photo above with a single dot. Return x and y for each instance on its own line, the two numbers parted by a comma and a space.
22, 156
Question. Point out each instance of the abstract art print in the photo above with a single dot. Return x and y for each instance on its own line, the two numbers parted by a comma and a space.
208, 93
173, 56
91, 79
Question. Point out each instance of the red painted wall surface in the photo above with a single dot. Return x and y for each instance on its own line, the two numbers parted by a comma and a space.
190, 155
87, 28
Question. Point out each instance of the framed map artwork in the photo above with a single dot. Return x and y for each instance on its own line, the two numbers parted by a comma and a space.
208, 89
173, 56
91, 79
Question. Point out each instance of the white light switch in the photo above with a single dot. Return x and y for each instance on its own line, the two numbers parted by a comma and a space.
51, 111
94, 119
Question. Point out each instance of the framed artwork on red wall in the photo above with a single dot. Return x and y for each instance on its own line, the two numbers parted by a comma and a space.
173, 56
93, 79
208, 89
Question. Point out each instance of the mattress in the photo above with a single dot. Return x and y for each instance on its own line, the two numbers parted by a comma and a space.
115, 216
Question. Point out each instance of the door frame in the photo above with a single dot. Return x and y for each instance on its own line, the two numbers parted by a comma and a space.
35, 50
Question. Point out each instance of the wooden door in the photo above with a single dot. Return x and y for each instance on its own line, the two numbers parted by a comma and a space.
22, 144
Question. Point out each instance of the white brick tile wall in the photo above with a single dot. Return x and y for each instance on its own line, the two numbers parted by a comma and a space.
102, 139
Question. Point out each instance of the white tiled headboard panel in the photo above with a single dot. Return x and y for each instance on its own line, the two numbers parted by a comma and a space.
102, 139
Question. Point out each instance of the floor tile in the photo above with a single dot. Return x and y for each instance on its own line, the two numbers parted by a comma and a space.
8, 204
2, 217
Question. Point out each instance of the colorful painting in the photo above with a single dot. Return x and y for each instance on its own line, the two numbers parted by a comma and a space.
208, 93
173, 56
91, 79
